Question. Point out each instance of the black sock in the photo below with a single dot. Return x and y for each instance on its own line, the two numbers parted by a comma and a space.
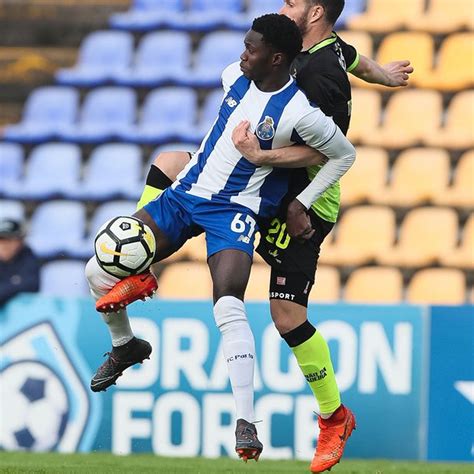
120, 350
300, 334
157, 179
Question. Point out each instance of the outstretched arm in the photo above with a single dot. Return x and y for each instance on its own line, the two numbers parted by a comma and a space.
296, 156
394, 74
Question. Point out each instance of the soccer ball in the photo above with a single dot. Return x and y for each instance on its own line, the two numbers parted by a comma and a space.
34, 409
124, 246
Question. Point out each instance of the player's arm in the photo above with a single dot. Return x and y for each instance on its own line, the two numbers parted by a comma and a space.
321, 133
394, 74
296, 156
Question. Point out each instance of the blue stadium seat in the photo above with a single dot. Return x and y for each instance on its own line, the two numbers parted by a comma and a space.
207, 115
255, 9
168, 114
102, 56
52, 169
12, 210
107, 112
215, 51
161, 58
206, 15
146, 15
48, 113
64, 278
178, 146
114, 171
11, 165
101, 215
57, 228
351, 8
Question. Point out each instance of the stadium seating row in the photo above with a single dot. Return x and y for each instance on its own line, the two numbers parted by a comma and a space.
378, 16
109, 113
203, 15
434, 16
55, 170
364, 234
172, 114
166, 57
376, 285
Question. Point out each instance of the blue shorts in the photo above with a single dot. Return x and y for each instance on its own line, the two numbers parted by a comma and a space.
181, 216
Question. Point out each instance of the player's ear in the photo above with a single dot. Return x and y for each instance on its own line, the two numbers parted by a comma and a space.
278, 59
315, 13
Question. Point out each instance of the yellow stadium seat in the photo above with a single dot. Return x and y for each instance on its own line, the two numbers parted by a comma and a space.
386, 15
362, 233
418, 47
366, 113
327, 287
257, 288
462, 256
363, 43
366, 177
374, 285
458, 131
185, 280
441, 286
461, 193
410, 115
454, 69
425, 234
418, 176
444, 16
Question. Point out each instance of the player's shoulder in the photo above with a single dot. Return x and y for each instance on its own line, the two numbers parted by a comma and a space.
231, 73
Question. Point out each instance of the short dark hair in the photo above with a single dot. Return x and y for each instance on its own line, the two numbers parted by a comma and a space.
332, 9
279, 32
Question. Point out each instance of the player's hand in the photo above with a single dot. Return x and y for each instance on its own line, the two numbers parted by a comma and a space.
247, 143
398, 73
298, 222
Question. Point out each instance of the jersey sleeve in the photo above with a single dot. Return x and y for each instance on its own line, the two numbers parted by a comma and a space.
230, 74
350, 54
315, 129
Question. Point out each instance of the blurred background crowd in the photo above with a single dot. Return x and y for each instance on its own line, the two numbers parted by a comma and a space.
90, 91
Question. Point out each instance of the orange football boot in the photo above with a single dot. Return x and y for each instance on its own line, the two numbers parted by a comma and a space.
126, 291
333, 435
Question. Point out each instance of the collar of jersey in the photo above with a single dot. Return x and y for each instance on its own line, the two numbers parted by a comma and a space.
290, 81
323, 43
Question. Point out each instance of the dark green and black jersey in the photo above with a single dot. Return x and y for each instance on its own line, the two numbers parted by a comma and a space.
321, 72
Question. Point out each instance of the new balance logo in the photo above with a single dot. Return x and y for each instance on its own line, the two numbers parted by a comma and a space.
315, 376
231, 102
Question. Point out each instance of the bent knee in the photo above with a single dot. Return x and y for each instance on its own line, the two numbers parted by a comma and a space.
171, 163
100, 282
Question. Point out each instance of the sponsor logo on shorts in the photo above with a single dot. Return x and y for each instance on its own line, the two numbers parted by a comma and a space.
281, 281
282, 296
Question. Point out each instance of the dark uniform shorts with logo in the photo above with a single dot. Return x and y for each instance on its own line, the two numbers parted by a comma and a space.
293, 262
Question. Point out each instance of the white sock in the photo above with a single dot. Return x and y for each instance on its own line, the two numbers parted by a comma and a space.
100, 283
239, 352
119, 327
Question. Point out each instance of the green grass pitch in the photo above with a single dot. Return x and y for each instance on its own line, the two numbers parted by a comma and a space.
101, 463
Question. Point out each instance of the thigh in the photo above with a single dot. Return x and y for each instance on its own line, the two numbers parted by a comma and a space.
230, 272
290, 255
227, 226
169, 217
291, 287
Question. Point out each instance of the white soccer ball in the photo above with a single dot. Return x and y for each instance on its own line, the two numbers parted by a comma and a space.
34, 409
124, 246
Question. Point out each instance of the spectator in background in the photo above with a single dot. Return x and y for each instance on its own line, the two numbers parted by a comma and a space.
19, 267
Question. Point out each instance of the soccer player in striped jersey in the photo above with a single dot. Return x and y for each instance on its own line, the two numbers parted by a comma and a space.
223, 194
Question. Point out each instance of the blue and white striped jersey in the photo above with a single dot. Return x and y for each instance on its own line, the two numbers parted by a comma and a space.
218, 172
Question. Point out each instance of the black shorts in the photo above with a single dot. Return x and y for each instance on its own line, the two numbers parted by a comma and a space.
293, 262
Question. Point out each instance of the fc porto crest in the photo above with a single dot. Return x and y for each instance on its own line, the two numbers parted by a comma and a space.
266, 130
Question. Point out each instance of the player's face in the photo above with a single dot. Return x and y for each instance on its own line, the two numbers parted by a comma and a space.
298, 11
256, 60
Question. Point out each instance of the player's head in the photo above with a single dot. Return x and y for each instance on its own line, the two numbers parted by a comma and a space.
270, 45
306, 12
